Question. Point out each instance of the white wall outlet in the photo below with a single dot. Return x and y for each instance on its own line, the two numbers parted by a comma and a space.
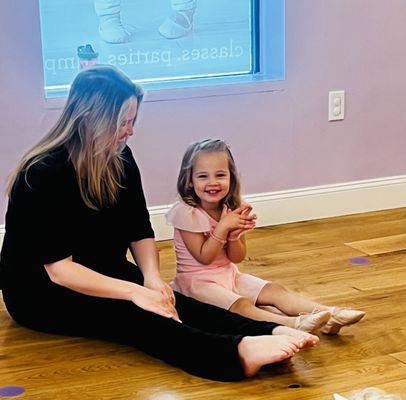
336, 105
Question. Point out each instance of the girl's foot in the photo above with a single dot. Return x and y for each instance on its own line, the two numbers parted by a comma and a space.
257, 351
313, 321
306, 338
341, 317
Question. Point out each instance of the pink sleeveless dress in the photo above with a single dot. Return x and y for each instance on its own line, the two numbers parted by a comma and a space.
220, 283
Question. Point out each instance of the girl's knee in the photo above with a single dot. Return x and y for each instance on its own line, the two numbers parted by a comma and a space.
241, 304
275, 287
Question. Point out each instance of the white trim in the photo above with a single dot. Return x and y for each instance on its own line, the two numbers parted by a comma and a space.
311, 203
158, 221
218, 88
306, 204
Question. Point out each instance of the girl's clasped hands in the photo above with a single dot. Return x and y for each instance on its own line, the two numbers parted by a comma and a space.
237, 222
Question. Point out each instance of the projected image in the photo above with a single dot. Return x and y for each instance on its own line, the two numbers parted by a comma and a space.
112, 30
149, 40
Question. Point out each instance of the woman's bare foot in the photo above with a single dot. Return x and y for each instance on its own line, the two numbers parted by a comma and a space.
308, 339
256, 351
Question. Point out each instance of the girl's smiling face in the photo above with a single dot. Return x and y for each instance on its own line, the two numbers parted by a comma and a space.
211, 177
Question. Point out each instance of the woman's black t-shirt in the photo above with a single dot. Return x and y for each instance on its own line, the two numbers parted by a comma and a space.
48, 221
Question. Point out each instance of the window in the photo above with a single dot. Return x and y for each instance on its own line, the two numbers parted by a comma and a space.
163, 43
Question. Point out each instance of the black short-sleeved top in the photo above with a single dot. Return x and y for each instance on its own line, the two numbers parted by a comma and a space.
47, 221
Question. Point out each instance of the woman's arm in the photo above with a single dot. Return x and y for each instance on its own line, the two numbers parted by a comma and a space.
81, 279
84, 280
146, 256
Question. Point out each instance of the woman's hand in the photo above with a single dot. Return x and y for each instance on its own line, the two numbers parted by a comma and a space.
155, 301
158, 284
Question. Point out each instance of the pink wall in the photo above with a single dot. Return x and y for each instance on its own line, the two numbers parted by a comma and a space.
281, 140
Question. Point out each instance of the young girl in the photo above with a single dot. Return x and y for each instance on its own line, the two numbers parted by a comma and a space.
210, 223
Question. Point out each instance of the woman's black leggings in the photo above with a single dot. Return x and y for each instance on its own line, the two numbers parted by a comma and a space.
205, 344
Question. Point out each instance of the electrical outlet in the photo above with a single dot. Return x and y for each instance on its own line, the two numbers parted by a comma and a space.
336, 105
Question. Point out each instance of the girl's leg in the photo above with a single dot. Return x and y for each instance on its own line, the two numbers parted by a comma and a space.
217, 320
288, 302
243, 306
308, 315
291, 303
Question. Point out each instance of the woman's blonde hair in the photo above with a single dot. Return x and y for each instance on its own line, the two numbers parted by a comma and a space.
88, 129
185, 182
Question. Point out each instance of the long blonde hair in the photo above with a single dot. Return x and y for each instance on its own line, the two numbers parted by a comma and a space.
98, 100
185, 183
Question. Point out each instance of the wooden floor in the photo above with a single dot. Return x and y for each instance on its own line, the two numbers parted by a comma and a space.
311, 258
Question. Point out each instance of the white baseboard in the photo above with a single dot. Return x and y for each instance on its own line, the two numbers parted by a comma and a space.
306, 204
311, 203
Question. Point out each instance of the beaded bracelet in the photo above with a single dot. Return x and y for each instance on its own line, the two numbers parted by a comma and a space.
217, 239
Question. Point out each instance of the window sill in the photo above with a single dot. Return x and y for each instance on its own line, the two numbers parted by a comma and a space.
197, 88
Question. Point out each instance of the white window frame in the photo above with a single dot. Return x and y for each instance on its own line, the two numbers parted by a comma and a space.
262, 81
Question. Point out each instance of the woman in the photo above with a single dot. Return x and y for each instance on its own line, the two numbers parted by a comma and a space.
80, 189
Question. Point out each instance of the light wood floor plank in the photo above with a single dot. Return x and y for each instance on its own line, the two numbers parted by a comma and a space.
380, 245
401, 356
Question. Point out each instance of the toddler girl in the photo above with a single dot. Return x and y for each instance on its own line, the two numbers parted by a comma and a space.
210, 222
